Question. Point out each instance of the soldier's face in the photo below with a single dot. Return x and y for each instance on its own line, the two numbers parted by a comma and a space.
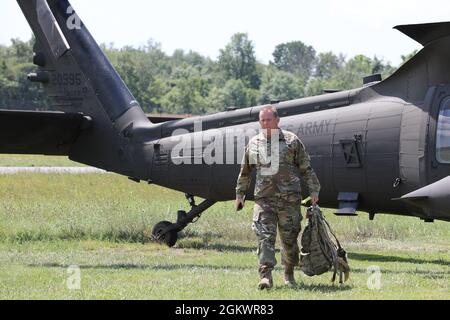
268, 121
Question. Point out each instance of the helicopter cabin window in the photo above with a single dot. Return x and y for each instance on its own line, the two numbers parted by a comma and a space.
443, 133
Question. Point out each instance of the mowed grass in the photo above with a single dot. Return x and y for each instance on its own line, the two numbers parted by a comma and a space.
102, 224
36, 161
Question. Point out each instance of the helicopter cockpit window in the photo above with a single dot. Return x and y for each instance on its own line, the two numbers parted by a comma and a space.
443, 133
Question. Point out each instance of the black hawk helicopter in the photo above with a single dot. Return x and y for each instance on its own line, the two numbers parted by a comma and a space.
384, 147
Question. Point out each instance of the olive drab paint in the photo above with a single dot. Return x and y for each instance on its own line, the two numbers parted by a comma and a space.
373, 148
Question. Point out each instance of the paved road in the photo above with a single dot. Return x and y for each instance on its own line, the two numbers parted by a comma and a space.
49, 170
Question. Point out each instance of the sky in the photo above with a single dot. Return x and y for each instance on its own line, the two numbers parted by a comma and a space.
349, 27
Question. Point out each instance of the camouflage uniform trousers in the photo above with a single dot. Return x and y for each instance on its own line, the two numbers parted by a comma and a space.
282, 211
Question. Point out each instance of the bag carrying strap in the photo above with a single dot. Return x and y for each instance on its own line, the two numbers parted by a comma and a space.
331, 231
326, 222
310, 223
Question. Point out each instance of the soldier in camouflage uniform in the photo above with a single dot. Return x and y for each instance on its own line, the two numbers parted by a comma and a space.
277, 194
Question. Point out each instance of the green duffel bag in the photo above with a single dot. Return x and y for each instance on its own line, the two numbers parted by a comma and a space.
319, 253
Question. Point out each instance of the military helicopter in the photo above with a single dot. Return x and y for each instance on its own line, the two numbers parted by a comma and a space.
384, 147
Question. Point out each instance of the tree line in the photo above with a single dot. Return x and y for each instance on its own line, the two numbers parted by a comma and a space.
189, 83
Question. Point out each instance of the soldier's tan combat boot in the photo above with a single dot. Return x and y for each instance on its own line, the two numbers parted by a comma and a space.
266, 281
289, 279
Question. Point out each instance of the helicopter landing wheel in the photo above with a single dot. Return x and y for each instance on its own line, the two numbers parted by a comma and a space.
162, 235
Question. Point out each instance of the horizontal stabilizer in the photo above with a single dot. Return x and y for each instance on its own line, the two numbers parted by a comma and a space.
410, 197
427, 32
433, 198
35, 132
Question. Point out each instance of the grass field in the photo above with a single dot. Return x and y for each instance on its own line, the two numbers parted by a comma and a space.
102, 224
36, 161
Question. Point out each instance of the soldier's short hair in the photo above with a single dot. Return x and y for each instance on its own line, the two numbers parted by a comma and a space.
272, 109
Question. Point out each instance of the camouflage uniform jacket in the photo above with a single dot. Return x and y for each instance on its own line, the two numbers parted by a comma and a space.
294, 162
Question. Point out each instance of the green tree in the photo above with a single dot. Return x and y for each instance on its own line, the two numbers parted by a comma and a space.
405, 58
238, 61
235, 93
351, 75
156, 91
361, 66
187, 82
295, 57
139, 69
328, 64
192, 58
281, 86
188, 92
22, 51
16, 92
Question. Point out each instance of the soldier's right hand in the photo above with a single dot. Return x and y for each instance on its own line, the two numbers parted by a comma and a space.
239, 204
